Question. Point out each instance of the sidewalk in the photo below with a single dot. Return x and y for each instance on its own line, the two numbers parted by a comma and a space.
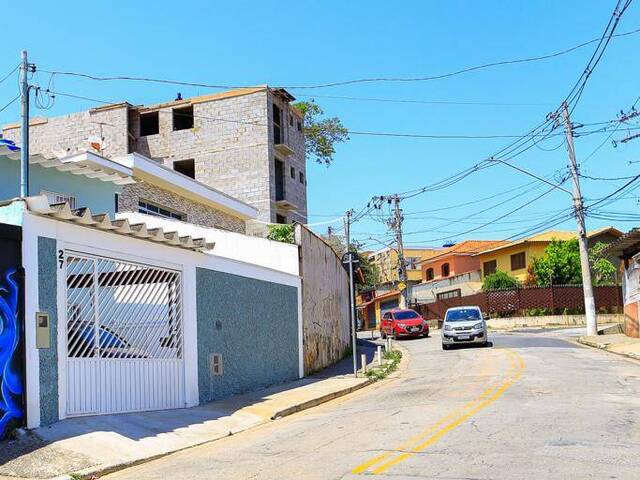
616, 343
99, 444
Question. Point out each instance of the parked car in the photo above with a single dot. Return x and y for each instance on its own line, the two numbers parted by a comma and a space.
403, 323
464, 325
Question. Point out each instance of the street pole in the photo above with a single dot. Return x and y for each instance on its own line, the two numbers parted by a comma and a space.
24, 101
402, 270
587, 286
352, 310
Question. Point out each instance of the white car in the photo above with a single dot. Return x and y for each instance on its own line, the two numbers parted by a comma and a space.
464, 326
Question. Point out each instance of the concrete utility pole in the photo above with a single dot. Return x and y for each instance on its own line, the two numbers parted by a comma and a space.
587, 286
352, 303
25, 68
396, 225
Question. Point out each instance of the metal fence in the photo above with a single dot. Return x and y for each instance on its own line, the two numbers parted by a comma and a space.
553, 300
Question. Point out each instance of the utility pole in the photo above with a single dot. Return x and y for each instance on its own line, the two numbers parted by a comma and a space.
396, 225
587, 286
352, 306
25, 68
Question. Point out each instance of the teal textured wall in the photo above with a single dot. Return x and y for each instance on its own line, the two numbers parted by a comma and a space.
253, 324
99, 196
47, 294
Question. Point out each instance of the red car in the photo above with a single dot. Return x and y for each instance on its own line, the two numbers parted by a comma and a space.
403, 323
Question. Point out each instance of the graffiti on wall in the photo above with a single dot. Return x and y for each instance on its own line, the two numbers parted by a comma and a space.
10, 376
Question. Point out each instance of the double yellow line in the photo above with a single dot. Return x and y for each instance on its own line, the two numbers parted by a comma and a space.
435, 432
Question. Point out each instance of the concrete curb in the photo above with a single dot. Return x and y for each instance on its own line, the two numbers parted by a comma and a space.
320, 400
605, 347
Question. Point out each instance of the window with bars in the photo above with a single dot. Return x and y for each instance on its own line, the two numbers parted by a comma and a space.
158, 211
55, 197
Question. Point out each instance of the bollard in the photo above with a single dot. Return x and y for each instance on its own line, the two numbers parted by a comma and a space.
379, 355
363, 361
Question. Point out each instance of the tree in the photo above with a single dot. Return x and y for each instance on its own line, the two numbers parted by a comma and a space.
498, 280
321, 134
370, 272
604, 272
561, 265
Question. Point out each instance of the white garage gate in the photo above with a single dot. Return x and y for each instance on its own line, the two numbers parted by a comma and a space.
124, 336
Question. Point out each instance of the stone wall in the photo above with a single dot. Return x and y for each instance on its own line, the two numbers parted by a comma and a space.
196, 213
325, 302
253, 325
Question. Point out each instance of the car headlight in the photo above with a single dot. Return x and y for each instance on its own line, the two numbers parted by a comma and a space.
402, 325
478, 326
448, 328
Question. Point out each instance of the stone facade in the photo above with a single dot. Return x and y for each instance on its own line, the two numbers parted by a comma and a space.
195, 213
231, 143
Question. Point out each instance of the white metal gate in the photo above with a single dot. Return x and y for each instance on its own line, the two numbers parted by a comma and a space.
124, 342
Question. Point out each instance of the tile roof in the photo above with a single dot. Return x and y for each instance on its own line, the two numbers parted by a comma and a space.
467, 247
39, 205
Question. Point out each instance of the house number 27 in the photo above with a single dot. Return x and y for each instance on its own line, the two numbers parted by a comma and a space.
61, 258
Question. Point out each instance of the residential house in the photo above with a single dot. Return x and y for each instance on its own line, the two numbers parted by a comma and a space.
627, 249
386, 260
90, 180
515, 257
247, 143
454, 272
372, 305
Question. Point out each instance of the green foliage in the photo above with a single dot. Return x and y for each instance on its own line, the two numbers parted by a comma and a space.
321, 134
370, 272
392, 360
498, 280
603, 271
282, 232
561, 265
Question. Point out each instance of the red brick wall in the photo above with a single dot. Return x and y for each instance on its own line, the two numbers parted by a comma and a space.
631, 320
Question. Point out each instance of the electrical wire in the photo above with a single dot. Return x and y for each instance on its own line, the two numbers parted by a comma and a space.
10, 73
10, 103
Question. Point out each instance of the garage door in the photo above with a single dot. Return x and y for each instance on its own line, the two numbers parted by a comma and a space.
124, 348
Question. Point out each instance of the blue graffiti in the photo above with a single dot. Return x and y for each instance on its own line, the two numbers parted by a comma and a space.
10, 381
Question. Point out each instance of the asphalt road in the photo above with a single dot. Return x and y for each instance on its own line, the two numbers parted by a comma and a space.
534, 406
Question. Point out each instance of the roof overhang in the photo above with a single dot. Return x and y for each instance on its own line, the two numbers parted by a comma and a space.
39, 205
155, 173
626, 246
85, 164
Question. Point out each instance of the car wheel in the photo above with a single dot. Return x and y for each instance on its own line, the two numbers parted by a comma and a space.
382, 334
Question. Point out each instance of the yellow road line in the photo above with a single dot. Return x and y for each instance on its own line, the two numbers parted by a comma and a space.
428, 437
411, 441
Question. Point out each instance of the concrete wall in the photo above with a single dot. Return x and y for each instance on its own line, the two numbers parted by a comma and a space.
468, 283
325, 302
68, 134
550, 320
196, 213
253, 324
48, 357
99, 196
277, 256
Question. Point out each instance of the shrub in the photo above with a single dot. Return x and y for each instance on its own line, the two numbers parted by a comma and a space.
498, 280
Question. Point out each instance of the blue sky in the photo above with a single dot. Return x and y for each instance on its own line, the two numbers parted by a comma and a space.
303, 42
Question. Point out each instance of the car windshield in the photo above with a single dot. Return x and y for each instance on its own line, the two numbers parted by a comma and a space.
463, 315
407, 315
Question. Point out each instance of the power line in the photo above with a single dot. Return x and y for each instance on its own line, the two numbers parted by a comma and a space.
426, 102
343, 82
15, 69
10, 103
